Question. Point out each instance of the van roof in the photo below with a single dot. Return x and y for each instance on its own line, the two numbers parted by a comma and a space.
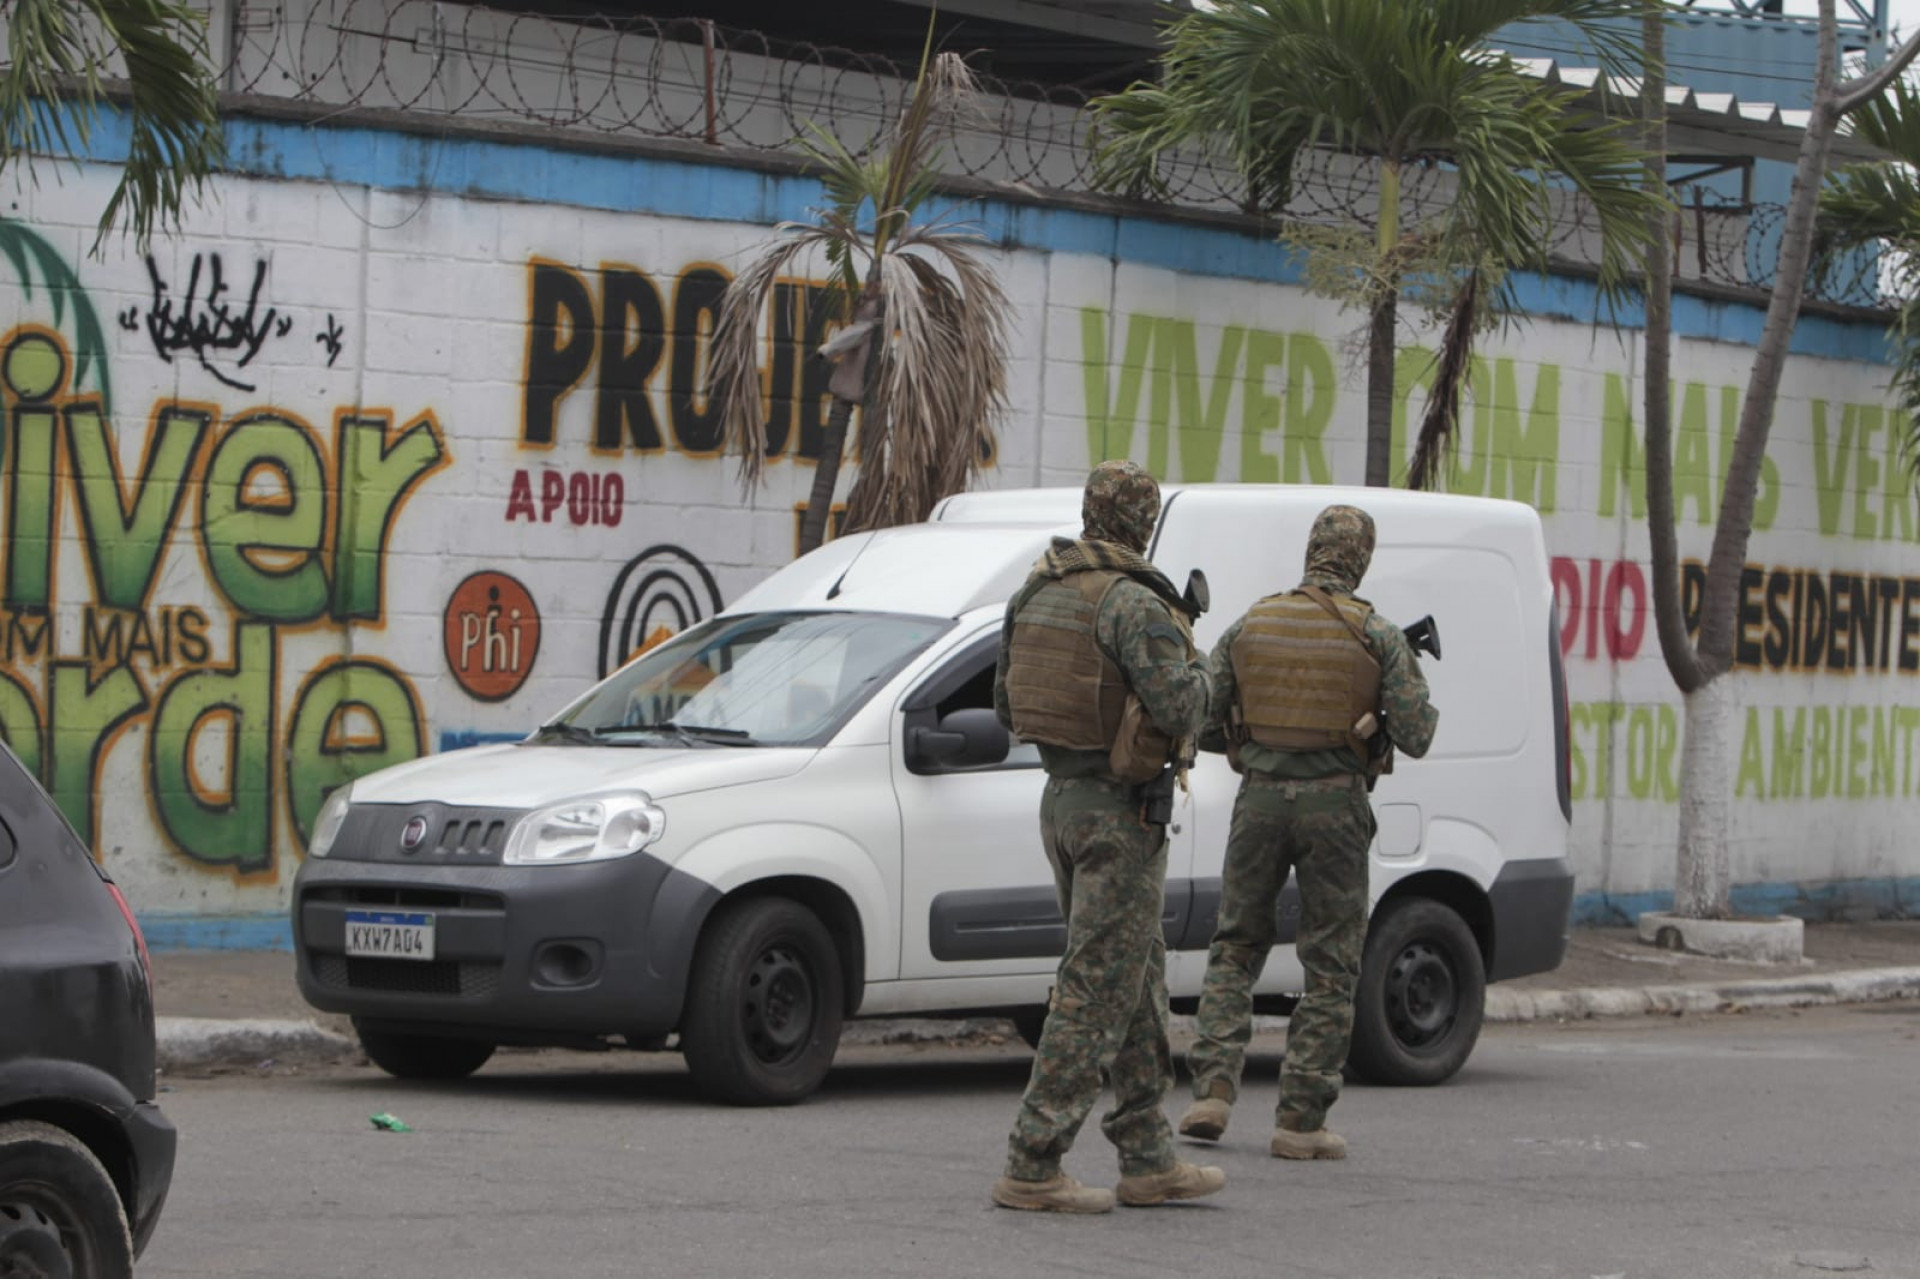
978, 547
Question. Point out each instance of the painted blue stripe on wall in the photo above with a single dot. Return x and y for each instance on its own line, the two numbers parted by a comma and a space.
217, 932
357, 155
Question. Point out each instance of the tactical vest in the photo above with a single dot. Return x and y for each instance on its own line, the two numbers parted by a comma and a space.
1306, 677
1063, 691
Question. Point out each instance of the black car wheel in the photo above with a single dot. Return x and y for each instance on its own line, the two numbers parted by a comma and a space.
60, 1216
422, 1056
764, 1005
1422, 992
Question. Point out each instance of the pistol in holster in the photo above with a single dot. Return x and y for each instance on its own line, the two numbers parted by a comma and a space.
1156, 798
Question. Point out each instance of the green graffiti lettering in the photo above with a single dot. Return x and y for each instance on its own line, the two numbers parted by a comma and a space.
1896, 498
1830, 469
1310, 397
1469, 470
1692, 469
1525, 462
1110, 422
1667, 749
32, 513
84, 713
229, 822
373, 479
1578, 721
1753, 764
1640, 753
1766, 502
1789, 753
20, 722
1623, 461
1177, 372
126, 540
1856, 752
353, 718
1883, 750
1866, 474
1822, 753
263, 519
1259, 408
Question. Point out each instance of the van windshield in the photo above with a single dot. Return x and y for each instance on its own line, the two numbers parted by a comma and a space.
764, 679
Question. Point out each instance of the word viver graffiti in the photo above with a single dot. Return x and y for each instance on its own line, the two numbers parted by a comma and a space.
290, 530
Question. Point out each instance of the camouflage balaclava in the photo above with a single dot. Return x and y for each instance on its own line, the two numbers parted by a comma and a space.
1340, 547
1121, 504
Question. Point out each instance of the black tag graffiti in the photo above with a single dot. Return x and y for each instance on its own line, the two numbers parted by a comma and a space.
209, 326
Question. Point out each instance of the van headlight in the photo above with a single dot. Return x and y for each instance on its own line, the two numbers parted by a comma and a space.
585, 830
326, 827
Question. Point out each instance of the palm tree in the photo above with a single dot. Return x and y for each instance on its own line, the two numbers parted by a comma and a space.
1876, 207
924, 351
1401, 87
63, 49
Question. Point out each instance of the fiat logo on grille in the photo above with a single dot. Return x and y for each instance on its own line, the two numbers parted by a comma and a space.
413, 832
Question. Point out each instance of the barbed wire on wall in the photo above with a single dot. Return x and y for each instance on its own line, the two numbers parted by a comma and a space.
692, 81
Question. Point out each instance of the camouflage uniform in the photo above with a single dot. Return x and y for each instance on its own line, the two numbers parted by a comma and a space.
1109, 1012
1306, 812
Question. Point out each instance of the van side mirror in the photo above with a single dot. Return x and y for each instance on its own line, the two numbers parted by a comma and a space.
971, 738
1197, 598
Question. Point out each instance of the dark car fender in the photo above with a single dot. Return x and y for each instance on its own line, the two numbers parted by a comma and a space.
131, 1139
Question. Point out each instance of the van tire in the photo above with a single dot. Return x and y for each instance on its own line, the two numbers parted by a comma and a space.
423, 1056
59, 1211
1029, 1023
1422, 993
765, 1004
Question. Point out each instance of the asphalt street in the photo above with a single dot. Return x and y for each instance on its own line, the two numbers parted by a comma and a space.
1737, 1146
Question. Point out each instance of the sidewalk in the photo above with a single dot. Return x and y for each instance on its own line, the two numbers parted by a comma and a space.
223, 1007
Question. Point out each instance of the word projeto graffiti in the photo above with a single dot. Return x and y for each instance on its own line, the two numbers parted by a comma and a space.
289, 532
618, 321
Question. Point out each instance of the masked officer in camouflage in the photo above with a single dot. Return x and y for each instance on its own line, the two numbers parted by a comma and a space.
1304, 686
1097, 666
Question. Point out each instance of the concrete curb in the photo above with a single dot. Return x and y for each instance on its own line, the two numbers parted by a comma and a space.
1866, 985
185, 1042
195, 1042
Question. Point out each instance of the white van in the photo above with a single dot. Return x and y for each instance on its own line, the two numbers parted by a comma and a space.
803, 810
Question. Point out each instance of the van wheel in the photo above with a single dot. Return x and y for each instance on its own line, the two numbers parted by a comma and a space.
59, 1213
423, 1056
1422, 991
1030, 1022
764, 1005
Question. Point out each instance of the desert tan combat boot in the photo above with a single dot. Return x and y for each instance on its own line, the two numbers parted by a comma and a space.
1206, 1119
1318, 1144
1182, 1181
1058, 1193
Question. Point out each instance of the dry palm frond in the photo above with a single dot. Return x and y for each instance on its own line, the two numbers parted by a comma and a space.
940, 383
1439, 429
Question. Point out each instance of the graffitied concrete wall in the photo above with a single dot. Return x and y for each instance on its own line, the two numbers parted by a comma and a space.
401, 444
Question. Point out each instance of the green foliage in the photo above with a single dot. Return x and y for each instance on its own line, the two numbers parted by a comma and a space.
1260, 83
1877, 206
54, 85
36, 263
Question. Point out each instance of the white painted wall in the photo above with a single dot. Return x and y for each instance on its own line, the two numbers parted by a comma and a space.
429, 296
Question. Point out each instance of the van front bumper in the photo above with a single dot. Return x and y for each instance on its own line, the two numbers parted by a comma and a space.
522, 954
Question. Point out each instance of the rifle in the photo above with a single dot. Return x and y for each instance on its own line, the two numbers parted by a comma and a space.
1423, 636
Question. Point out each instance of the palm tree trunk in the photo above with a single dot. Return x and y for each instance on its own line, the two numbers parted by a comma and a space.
826, 474
1380, 368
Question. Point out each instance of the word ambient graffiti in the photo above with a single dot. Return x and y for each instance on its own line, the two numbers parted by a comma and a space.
215, 324
661, 592
291, 528
582, 497
492, 635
